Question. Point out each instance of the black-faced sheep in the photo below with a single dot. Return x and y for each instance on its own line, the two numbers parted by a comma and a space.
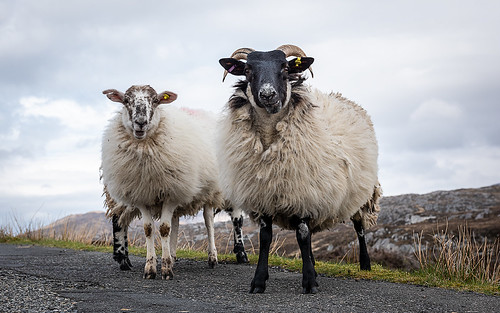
158, 162
294, 156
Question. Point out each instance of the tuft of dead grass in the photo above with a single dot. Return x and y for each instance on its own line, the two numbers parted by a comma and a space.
462, 257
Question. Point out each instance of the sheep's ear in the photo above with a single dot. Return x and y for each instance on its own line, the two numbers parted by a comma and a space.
114, 95
233, 66
166, 97
300, 64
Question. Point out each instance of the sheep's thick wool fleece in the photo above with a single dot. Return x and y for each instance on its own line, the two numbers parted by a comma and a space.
321, 162
175, 162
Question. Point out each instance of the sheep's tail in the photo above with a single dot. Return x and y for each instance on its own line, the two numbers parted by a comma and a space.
369, 212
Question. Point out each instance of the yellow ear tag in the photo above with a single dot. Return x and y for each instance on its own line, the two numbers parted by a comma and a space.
165, 96
297, 62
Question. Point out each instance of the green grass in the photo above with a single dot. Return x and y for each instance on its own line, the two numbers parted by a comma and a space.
429, 276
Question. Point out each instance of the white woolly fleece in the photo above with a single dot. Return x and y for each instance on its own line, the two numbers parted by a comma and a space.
175, 163
321, 162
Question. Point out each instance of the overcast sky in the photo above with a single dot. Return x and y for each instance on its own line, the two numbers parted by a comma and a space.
428, 72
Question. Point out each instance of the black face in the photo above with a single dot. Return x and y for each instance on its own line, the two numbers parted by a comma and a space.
268, 74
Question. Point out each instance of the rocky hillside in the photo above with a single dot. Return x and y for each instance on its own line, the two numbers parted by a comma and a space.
391, 242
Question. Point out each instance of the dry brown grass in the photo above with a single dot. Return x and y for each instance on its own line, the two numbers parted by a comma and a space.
35, 230
462, 257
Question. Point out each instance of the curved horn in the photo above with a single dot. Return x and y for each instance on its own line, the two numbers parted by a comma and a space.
240, 54
292, 50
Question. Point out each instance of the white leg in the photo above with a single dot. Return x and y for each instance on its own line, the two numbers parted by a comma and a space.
150, 268
208, 214
173, 237
167, 263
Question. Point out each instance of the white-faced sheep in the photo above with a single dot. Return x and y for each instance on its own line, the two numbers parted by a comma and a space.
296, 157
157, 162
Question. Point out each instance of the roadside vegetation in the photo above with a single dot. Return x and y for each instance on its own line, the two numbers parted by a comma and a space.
460, 262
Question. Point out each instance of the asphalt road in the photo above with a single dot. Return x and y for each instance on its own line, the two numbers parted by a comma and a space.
41, 279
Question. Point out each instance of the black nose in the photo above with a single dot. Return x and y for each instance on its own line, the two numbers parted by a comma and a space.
141, 124
267, 95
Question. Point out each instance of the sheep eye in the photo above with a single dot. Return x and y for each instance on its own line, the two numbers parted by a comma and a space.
284, 72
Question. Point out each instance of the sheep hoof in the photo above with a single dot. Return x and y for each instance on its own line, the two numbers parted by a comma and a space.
150, 275
257, 290
312, 290
212, 263
241, 257
212, 259
168, 275
365, 267
125, 265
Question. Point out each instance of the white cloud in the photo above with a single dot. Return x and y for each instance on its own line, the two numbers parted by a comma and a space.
69, 113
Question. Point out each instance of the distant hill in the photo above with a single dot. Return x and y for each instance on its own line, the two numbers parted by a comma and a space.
390, 242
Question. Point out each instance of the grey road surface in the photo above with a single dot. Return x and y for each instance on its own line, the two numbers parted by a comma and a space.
41, 279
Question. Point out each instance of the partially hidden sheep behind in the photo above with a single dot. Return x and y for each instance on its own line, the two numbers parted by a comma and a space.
294, 156
159, 163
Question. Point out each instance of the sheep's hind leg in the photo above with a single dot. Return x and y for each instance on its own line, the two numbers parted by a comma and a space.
303, 234
258, 284
167, 262
120, 244
364, 258
208, 215
174, 232
150, 267
239, 248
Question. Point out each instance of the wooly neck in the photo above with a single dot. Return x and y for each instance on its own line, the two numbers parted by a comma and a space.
265, 123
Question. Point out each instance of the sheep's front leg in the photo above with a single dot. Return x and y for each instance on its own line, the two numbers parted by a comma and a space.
150, 267
309, 284
120, 244
261, 273
239, 248
208, 215
167, 262
174, 232
364, 258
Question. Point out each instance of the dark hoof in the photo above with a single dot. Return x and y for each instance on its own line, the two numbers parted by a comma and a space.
260, 288
365, 267
212, 263
167, 276
241, 257
149, 275
312, 290
257, 290
125, 265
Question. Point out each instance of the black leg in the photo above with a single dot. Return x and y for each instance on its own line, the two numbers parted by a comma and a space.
239, 248
120, 245
364, 258
313, 261
309, 284
261, 273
